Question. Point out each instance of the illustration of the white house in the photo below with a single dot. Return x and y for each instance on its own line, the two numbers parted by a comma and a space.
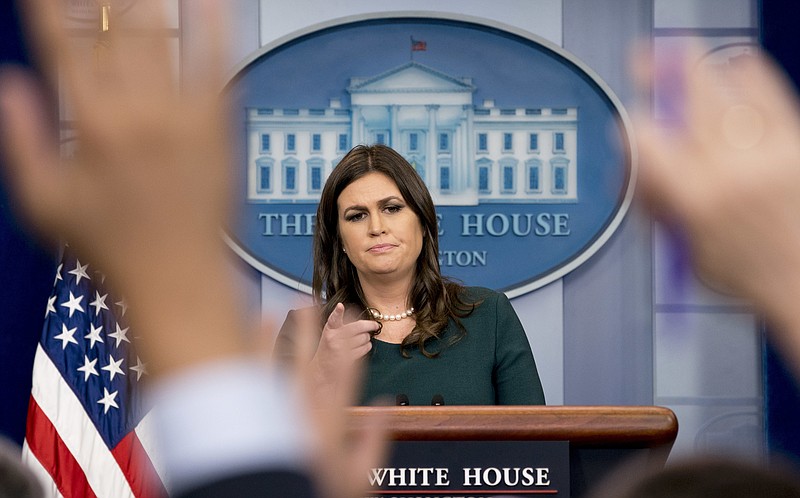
466, 153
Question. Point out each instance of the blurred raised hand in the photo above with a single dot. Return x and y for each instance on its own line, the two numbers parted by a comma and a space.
146, 194
147, 189
727, 176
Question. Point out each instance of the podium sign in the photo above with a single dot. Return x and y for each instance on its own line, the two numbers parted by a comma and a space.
439, 469
592, 440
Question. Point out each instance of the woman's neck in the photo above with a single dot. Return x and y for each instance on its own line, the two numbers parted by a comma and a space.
391, 297
387, 296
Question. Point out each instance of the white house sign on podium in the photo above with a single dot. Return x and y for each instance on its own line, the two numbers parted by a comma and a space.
525, 151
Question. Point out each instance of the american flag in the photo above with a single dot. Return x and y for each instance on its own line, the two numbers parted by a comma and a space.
418, 45
87, 428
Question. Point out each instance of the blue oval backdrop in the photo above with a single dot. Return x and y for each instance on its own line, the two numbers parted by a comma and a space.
525, 151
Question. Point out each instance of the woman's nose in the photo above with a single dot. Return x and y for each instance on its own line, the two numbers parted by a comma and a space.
376, 226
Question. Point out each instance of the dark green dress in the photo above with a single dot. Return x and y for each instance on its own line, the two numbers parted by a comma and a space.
491, 365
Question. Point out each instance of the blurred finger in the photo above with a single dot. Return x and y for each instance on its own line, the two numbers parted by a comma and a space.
139, 58
44, 19
664, 171
334, 420
766, 88
28, 143
370, 448
641, 65
69, 65
264, 343
708, 97
305, 347
205, 67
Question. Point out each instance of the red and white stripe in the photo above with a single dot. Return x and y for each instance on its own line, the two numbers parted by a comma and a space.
63, 446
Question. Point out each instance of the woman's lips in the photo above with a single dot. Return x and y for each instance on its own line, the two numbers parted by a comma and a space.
379, 248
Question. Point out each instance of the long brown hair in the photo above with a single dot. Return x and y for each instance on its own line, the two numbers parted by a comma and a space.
435, 299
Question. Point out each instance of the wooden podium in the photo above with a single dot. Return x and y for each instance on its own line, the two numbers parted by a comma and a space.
599, 437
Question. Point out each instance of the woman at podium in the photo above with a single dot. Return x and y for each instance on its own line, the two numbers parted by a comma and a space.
380, 298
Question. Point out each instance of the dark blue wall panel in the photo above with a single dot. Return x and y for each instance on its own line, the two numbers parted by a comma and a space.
779, 20
26, 273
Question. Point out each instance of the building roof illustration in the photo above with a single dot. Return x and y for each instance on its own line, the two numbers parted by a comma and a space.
411, 77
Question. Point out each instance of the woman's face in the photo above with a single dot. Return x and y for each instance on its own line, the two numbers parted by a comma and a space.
380, 232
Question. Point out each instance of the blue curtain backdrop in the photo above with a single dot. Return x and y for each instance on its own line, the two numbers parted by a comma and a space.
779, 20
26, 273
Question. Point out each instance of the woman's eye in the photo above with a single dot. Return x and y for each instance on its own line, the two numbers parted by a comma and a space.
393, 208
355, 217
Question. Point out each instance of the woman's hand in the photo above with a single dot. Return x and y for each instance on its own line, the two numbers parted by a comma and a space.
332, 383
342, 342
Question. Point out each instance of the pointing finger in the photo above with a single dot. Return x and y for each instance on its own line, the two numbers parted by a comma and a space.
336, 318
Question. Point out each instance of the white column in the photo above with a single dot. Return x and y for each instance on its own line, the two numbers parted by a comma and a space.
362, 129
394, 130
433, 140
469, 151
355, 126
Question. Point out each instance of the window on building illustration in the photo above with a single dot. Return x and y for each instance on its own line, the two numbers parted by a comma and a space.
508, 142
444, 176
291, 142
560, 179
290, 172
343, 143
444, 142
413, 142
508, 179
265, 143
290, 179
533, 179
559, 112
483, 142
264, 172
533, 142
483, 180
558, 142
316, 142
484, 176
316, 179
559, 171
264, 180
380, 138
534, 168
508, 169
315, 170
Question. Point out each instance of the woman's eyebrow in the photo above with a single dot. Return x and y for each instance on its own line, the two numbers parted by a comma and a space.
354, 207
391, 198
380, 202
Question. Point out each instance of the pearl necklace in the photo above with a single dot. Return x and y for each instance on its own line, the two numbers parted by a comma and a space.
380, 316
